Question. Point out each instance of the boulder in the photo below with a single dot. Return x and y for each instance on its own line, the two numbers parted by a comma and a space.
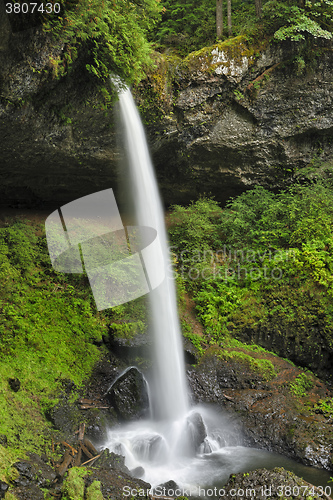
128, 395
274, 484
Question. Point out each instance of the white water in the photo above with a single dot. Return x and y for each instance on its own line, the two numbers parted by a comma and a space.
172, 444
170, 398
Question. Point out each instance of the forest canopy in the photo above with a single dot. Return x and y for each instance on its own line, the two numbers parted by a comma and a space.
120, 35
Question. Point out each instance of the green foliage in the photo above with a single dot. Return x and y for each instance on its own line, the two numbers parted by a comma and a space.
94, 491
215, 302
303, 382
110, 34
194, 230
294, 22
7, 458
273, 266
260, 217
48, 324
187, 24
128, 319
238, 95
197, 341
73, 487
263, 367
9, 496
325, 406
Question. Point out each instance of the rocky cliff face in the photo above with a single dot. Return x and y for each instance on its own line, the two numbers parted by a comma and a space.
244, 118
234, 117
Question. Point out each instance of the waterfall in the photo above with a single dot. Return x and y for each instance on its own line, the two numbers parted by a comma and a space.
169, 391
172, 441
191, 446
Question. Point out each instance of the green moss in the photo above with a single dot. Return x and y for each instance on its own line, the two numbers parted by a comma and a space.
48, 324
73, 487
9, 496
235, 50
325, 406
303, 382
94, 491
263, 367
154, 94
8, 457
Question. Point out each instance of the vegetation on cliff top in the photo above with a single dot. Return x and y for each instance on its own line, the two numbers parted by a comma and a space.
118, 36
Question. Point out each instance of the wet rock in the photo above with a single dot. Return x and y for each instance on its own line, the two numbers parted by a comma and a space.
137, 472
274, 484
224, 135
167, 489
150, 448
270, 416
197, 430
130, 349
129, 396
3, 488
14, 384
28, 492
109, 460
190, 352
33, 476
118, 485
34, 471
65, 416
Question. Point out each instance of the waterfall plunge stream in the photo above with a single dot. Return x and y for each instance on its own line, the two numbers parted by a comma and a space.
170, 401
195, 447
167, 445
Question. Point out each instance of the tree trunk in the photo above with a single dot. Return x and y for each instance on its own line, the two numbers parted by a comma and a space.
258, 7
219, 19
229, 17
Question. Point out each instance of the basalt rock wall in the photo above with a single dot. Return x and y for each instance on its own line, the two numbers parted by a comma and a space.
243, 118
233, 116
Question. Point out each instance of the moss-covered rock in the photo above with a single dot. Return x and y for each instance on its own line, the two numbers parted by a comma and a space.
274, 484
278, 413
94, 491
73, 487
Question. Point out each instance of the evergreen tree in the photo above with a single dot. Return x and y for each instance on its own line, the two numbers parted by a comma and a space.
219, 19
258, 7
229, 17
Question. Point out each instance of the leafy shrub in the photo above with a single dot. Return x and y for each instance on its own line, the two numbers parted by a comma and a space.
194, 230
275, 266
111, 34
294, 22
301, 385
215, 303
325, 406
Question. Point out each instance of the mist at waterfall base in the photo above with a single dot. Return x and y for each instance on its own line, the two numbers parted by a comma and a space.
191, 446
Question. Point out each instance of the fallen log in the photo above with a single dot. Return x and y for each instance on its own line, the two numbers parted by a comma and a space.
78, 458
68, 458
87, 407
88, 444
91, 460
86, 451
73, 450
81, 431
